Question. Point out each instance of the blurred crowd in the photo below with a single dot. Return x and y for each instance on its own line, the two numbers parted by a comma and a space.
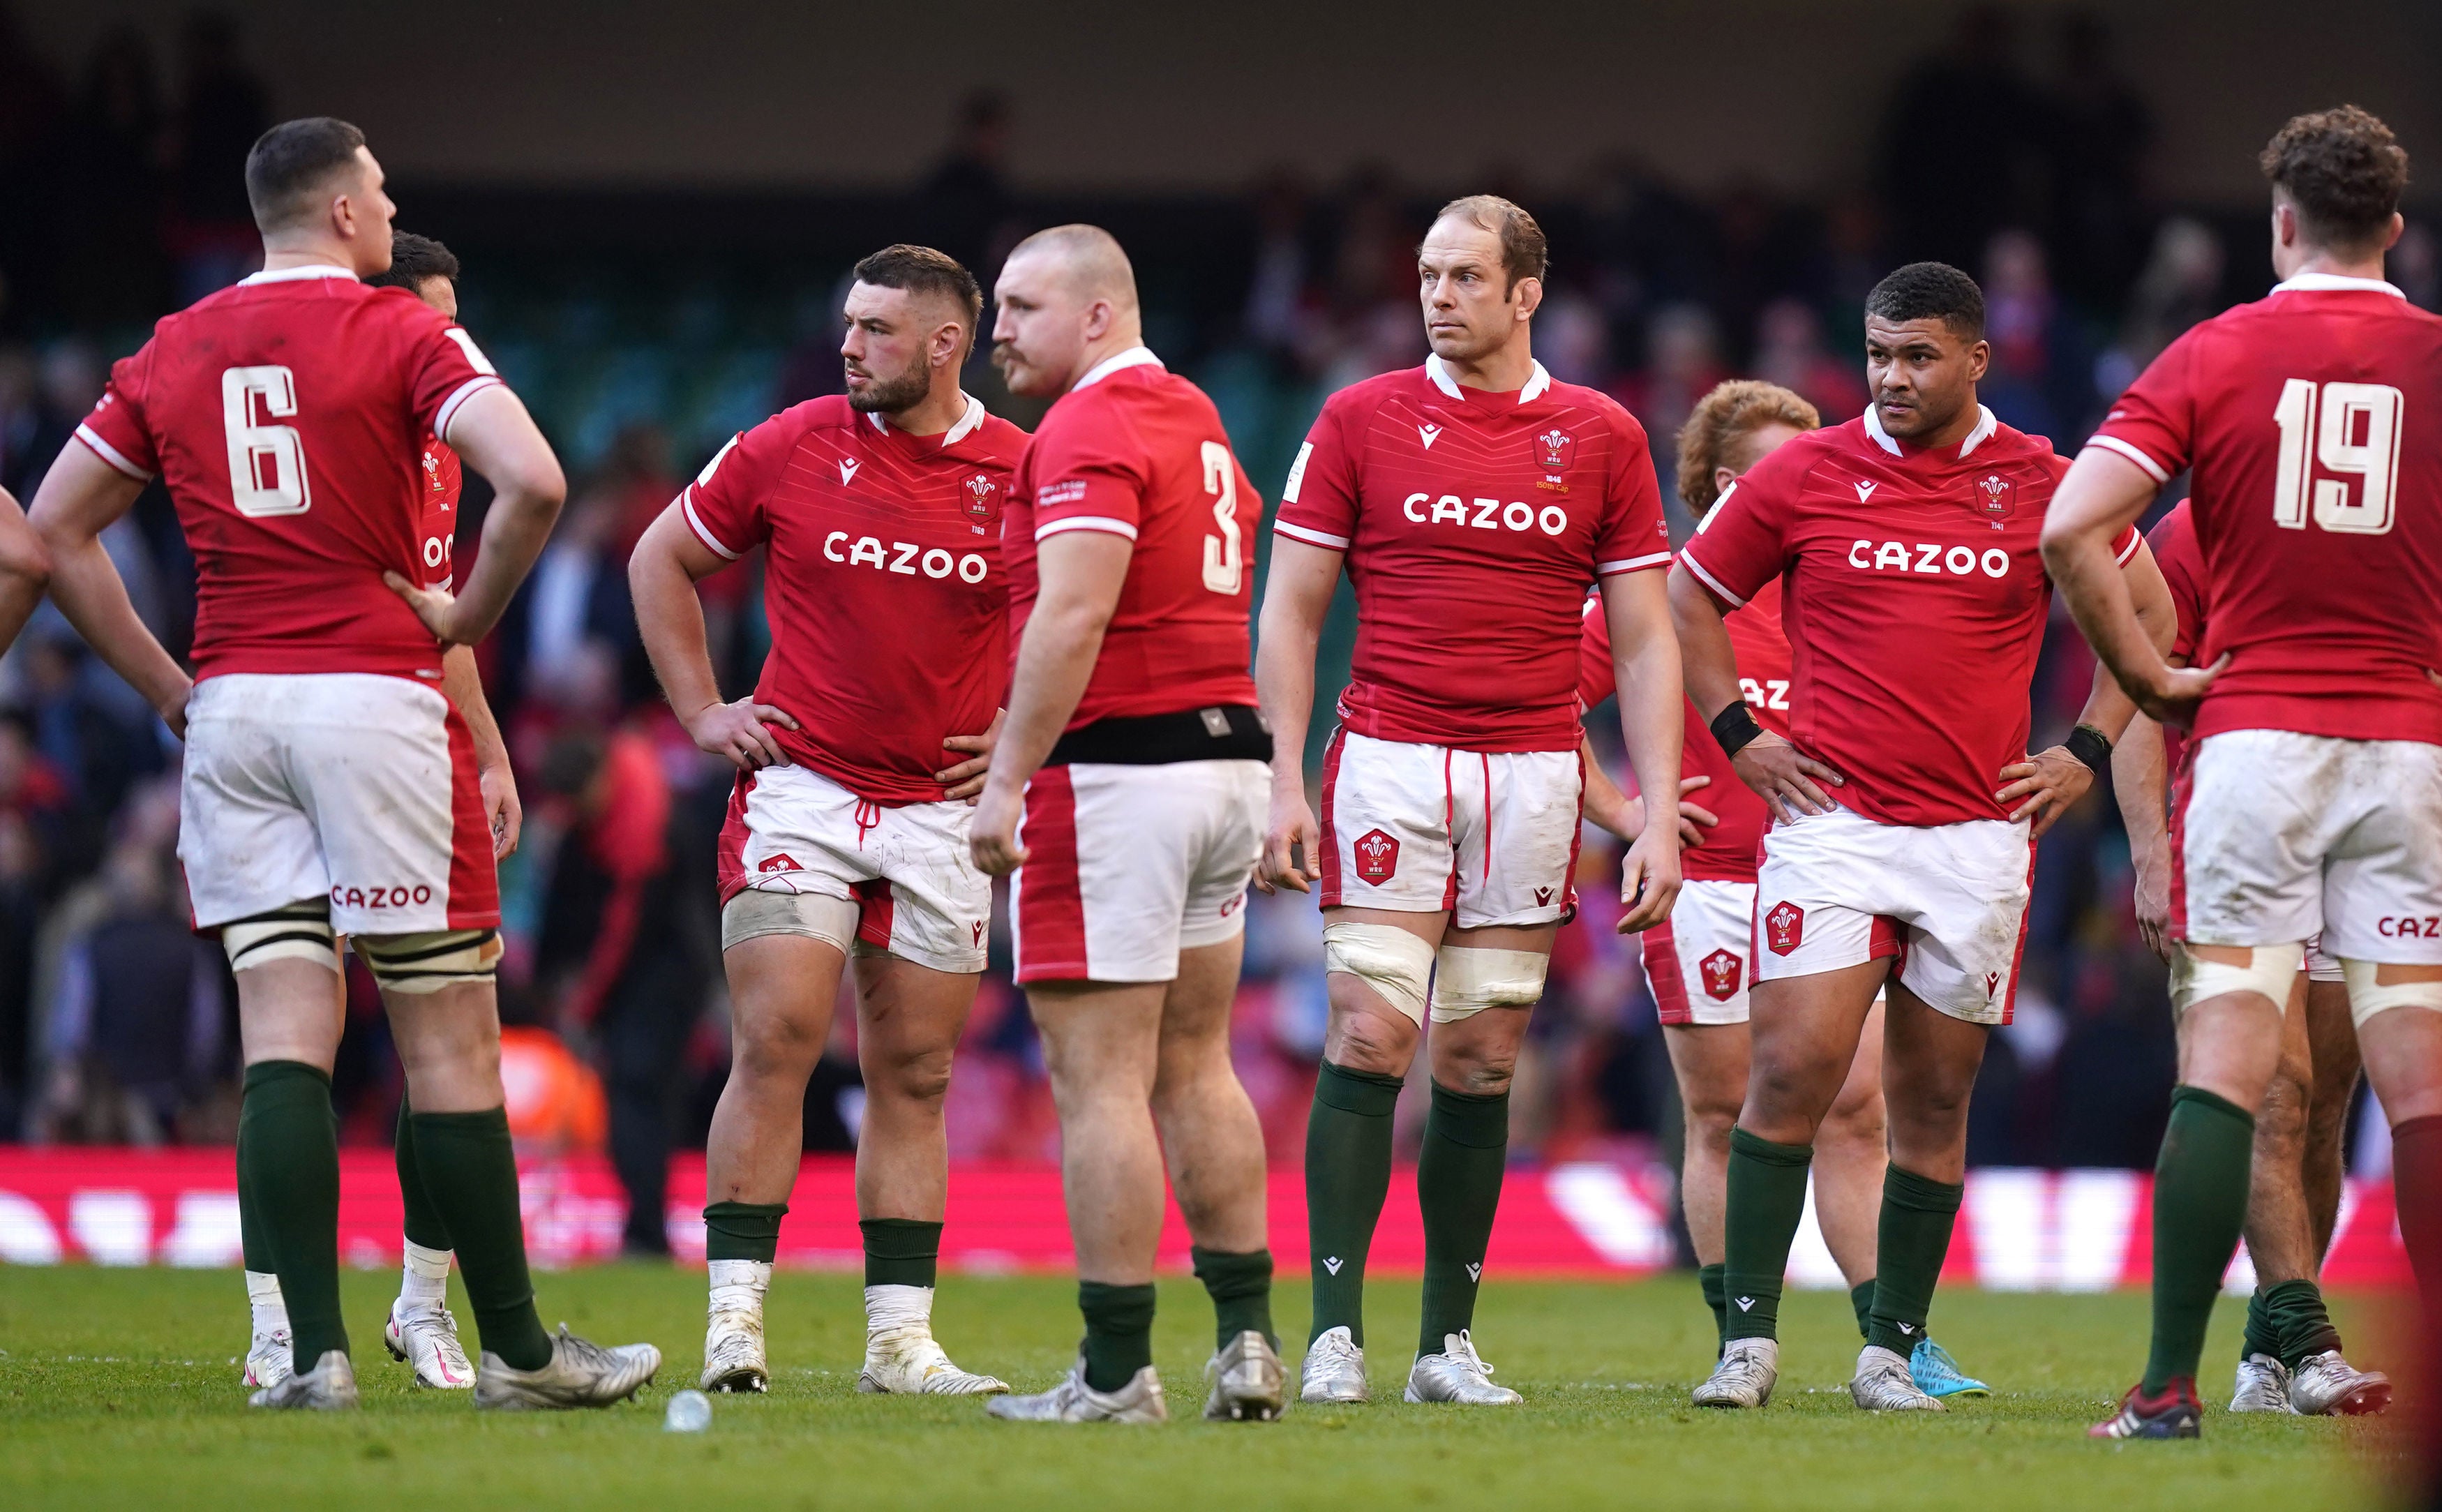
120, 197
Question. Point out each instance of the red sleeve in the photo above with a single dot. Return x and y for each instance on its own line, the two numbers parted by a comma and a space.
724, 505
1740, 544
1631, 536
1087, 476
1319, 500
117, 431
2153, 424
2175, 550
444, 367
1596, 678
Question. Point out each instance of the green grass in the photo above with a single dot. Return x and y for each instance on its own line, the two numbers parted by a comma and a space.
117, 1389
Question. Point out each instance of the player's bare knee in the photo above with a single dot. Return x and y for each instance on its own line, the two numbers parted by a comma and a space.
2281, 1118
1368, 1039
773, 1045
1855, 1121
920, 1077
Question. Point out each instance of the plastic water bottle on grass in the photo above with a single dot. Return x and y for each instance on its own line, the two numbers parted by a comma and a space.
688, 1412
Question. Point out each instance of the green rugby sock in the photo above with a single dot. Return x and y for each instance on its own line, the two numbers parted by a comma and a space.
423, 1225
746, 1230
2200, 1205
289, 1153
1767, 1197
2263, 1335
1861, 1302
470, 1169
1347, 1178
1911, 1242
2305, 1327
1240, 1284
254, 1240
1708, 1280
1458, 1190
1119, 1332
898, 1251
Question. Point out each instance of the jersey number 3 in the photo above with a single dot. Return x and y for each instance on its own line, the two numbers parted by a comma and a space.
1225, 567
2358, 434
267, 460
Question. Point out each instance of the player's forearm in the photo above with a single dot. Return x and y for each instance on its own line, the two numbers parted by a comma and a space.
496, 437
1650, 716
2100, 497
669, 620
86, 586
2137, 779
24, 570
1606, 805
1297, 596
463, 685
1709, 666
1055, 661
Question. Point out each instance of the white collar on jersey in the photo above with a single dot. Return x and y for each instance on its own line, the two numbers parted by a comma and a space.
965, 427
1537, 381
2335, 284
1133, 358
1985, 426
311, 270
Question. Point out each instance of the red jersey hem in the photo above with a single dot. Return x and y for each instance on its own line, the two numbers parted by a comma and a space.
2364, 720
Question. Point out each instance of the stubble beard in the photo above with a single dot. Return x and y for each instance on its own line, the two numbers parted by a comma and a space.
892, 396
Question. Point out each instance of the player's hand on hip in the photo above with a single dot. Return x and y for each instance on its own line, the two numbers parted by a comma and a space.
1694, 819
992, 838
2043, 787
742, 732
1789, 781
1290, 828
436, 607
174, 708
2174, 699
1649, 878
499, 786
966, 779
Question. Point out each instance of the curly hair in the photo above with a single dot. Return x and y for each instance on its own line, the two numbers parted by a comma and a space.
1721, 422
2344, 170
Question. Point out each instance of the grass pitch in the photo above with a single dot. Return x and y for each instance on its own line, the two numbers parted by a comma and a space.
117, 1388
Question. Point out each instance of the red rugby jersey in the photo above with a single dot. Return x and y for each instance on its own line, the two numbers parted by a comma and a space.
1136, 450
884, 586
437, 536
1727, 852
2309, 420
286, 415
1914, 604
2172, 540
1472, 524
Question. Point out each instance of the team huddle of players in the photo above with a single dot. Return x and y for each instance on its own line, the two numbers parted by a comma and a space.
996, 654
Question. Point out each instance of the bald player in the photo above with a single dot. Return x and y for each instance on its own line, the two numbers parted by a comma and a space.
1127, 795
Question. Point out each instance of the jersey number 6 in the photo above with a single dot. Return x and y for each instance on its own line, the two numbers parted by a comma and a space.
1223, 557
266, 462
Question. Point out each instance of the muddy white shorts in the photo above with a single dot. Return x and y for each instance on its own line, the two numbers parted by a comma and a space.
918, 891
1127, 866
1696, 961
1488, 838
2283, 834
1948, 901
356, 786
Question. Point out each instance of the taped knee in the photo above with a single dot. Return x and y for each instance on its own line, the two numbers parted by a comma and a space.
754, 914
1395, 964
301, 930
2271, 972
1469, 981
2368, 996
424, 963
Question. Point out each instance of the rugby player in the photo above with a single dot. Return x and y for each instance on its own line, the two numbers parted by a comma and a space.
880, 511
24, 570
1126, 793
2290, 1360
330, 786
1470, 501
1699, 962
1904, 803
2312, 800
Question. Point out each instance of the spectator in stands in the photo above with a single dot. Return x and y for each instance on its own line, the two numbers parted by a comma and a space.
2038, 381
1961, 143
2182, 285
2097, 134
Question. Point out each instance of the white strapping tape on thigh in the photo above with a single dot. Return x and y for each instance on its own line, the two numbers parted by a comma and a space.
818, 916
1469, 982
417, 964
2368, 998
1385, 957
2271, 972
301, 930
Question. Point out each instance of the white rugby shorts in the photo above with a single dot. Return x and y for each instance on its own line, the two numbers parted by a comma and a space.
918, 891
356, 786
1696, 962
2282, 835
1488, 838
1948, 901
1127, 866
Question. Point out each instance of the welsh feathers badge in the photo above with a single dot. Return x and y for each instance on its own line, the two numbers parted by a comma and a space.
1378, 856
1997, 498
983, 499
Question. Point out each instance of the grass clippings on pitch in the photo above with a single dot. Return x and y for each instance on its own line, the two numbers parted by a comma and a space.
119, 1389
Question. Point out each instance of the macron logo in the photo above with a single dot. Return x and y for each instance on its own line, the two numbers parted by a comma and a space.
1745, 1304
1331, 1263
847, 470
1865, 491
1429, 434
1907, 1328
1475, 1272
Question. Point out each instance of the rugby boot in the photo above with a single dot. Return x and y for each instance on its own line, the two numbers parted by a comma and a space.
1249, 1385
426, 1339
1072, 1401
2325, 1385
1883, 1384
1334, 1368
1938, 1375
580, 1374
1743, 1377
1457, 1375
2175, 1414
2263, 1386
329, 1387
907, 1361
267, 1358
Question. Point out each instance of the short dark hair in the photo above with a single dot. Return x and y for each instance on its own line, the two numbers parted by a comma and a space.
1524, 254
291, 162
415, 259
921, 271
1930, 291
2344, 170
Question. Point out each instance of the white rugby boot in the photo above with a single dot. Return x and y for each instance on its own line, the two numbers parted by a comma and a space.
2263, 1386
580, 1373
1883, 1384
1334, 1368
901, 1355
2325, 1385
1457, 1375
427, 1339
329, 1387
1743, 1377
1072, 1401
733, 1334
1249, 1385
267, 1357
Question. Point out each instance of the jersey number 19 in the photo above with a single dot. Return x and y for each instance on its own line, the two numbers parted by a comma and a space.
2359, 435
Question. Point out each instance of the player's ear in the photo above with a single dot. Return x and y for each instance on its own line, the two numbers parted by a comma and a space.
1979, 357
1529, 295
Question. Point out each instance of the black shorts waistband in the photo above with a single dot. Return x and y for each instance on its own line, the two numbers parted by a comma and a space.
1226, 731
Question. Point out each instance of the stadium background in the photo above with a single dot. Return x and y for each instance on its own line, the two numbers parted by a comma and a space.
655, 206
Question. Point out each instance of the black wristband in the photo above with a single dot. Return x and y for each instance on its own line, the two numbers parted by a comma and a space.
2090, 746
1734, 727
